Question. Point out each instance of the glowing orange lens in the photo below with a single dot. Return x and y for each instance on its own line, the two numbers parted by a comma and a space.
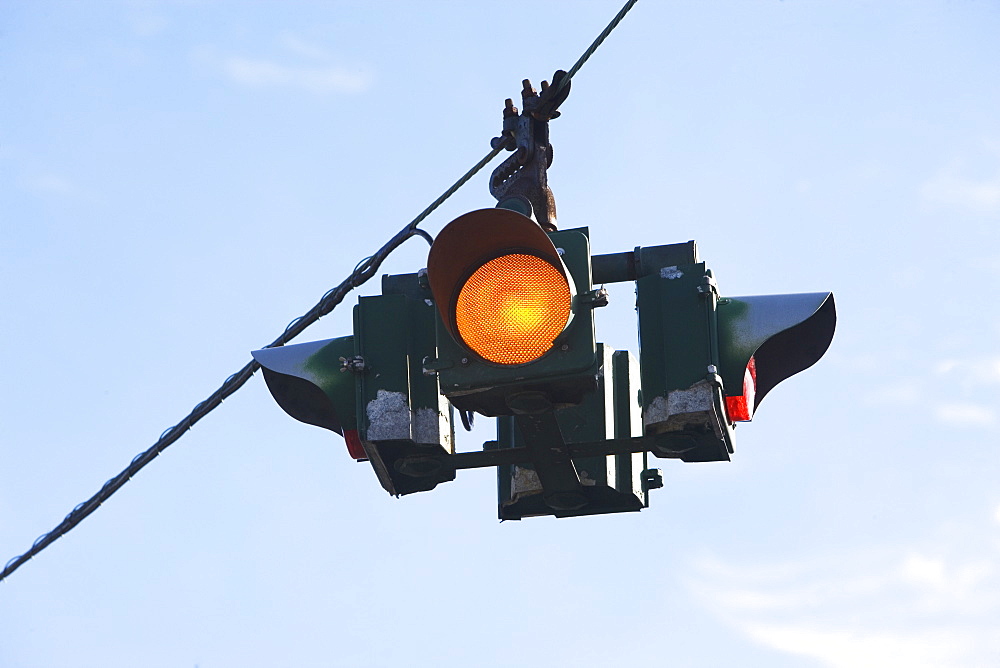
512, 308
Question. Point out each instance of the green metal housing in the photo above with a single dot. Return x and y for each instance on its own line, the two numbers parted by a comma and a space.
679, 357
609, 483
405, 423
373, 384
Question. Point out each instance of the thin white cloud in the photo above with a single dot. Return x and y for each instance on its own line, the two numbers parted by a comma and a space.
860, 649
965, 415
937, 606
982, 370
48, 184
964, 386
299, 46
951, 394
302, 65
949, 188
901, 393
924, 570
935, 573
264, 73
149, 25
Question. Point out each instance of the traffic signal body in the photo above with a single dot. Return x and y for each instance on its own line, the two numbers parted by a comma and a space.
707, 362
371, 387
406, 422
502, 323
679, 357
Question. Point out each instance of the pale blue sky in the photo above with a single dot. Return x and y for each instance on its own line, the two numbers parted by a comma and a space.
178, 180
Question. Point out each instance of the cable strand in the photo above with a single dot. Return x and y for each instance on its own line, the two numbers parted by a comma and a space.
597, 43
364, 271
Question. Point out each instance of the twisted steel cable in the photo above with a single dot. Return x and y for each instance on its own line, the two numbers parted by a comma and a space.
364, 271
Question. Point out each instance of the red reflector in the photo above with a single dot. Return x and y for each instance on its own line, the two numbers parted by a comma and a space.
737, 408
354, 447
740, 408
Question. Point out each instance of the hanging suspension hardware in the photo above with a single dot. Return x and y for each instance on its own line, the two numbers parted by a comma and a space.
520, 183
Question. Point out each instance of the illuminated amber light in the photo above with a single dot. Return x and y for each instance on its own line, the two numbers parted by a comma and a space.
512, 308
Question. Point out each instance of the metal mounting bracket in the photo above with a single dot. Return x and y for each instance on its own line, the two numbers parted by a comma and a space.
520, 183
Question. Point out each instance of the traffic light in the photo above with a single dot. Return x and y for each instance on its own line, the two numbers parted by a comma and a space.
371, 388
501, 323
707, 362
678, 356
516, 330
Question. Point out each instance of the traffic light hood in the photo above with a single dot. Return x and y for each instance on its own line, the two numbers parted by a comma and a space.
305, 380
500, 285
784, 334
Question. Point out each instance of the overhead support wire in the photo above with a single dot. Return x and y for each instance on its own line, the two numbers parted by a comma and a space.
363, 272
597, 42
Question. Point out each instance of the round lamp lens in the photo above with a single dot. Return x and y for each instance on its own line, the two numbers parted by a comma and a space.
512, 308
